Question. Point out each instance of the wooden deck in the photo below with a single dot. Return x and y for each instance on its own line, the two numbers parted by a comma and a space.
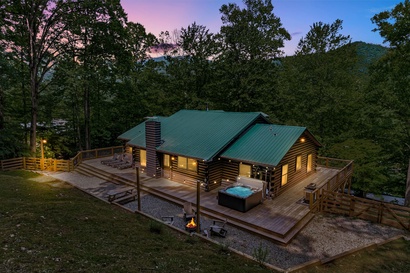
279, 219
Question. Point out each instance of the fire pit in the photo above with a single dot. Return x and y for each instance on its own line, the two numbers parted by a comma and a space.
191, 226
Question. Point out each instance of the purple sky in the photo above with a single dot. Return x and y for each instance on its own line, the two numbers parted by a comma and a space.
296, 15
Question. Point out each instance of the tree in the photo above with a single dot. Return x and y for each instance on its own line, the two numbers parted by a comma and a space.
36, 31
97, 45
322, 38
191, 73
324, 67
251, 39
392, 76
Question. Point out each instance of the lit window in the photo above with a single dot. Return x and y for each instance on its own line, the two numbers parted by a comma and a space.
192, 164
245, 170
167, 161
143, 158
182, 162
298, 162
284, 175
187, 163
309, 163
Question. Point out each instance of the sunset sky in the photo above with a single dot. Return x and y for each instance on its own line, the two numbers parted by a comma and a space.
296, 15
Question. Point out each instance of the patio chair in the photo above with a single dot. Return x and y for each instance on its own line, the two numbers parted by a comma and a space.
120, 161
128, 162
168, 219
114, 158
218, 228
188, 211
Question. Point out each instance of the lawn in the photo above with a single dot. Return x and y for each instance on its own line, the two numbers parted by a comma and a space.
61, 229
44, 228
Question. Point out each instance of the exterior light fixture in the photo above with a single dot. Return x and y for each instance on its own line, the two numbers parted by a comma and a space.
302, 139
42, 142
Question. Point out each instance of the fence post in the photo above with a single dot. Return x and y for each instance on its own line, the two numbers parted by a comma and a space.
380, 214
352, 205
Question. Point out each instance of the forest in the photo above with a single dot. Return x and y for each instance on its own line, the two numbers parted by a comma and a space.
78, 74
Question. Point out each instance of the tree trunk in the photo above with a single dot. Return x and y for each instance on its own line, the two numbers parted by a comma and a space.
34, 111
407, 195
1, 108
87, 118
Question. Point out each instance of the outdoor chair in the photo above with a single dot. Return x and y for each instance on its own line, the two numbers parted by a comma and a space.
168, 219
114, 158
218, 228
126, 164
188, 211
120, 161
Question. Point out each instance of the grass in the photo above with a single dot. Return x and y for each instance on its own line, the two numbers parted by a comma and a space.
61, 229
391, 257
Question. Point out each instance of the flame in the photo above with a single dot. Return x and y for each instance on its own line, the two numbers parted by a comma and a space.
191, 224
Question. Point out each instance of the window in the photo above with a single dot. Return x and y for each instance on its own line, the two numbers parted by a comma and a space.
298, 163
192, 164
187, 163
309, 163
245, 170
143, 158
284, 175
167, 161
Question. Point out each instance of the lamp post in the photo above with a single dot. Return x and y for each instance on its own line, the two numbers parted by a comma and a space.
42, 142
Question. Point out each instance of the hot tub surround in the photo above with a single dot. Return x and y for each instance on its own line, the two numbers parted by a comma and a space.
239, 203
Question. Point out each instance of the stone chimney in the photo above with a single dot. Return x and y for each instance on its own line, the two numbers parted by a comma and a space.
152, 141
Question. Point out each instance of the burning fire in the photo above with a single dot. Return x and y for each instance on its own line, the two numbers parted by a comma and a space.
191, 224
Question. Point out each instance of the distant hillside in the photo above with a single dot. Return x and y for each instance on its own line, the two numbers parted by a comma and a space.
368, 54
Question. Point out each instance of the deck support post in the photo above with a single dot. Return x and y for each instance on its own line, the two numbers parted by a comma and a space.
198, 201
137, 177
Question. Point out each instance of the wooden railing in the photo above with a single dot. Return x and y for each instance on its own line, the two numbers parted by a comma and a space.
51, 164
375, 211
338, 181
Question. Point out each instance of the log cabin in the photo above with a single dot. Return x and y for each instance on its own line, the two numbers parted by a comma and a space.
218, 147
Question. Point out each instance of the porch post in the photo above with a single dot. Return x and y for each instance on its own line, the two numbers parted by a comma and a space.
198, 206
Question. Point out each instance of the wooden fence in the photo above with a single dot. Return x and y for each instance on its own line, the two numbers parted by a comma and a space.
339, 181
375, 211
50, 164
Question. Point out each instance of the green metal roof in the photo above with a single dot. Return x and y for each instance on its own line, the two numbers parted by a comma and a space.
264, 144
137, 131
197, 134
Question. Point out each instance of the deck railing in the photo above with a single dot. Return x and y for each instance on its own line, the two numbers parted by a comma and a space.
341, 179
51, 164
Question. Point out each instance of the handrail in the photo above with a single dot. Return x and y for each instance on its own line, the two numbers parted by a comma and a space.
332, 183
51, 164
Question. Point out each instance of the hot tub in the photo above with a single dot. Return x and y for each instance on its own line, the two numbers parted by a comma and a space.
240, 197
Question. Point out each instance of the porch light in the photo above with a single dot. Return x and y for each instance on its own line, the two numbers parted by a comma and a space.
302, 139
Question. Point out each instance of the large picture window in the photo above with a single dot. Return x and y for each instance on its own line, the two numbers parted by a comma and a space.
245, 170
187, 163
143, 158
